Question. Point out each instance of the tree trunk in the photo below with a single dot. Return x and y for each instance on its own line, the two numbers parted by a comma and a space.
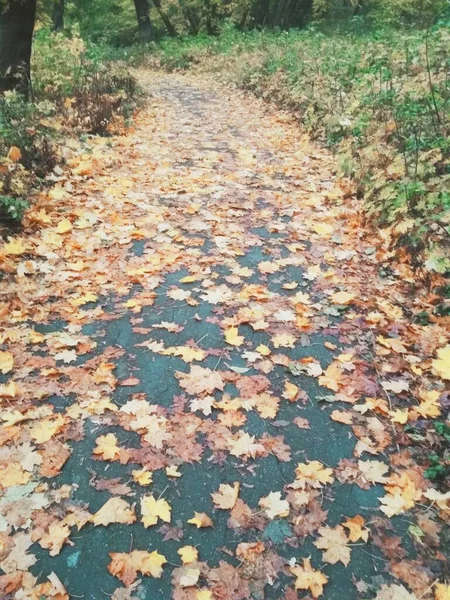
259, 13
192, 21
165, 19
243, 21
144, 23
16, 36
210, 18
58, 15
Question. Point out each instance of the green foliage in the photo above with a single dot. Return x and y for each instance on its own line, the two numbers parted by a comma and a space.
380, 99
74, 92
110, 22
12, 209
383, 12
439, 461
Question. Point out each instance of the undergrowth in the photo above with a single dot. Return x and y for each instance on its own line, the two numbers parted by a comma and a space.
379, 98
74, 92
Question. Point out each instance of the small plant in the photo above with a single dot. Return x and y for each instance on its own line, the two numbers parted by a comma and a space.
12, 209
439, 468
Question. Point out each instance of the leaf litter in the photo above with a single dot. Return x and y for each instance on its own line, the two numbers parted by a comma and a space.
206, 232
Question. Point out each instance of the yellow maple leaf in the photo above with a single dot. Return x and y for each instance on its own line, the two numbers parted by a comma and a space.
226, 496
64, 226
312, 474
308, 578
442, 591
6, 362
107, 447
233, 338
333, 542
9, 390
201, 520
356, 529
399, 416
204, 595
185, 353
429, 406
290, 391
84, 299
55, 538
263, 350
342, 298
188, 554
274, 505
172, 471
125, 566
200, 380
14, 247
283, 340
115, 510
44, 429
244, 444
401, 495
374, 471
441, 499
441, 364
13, 474
153, 509
323, 229
142, 476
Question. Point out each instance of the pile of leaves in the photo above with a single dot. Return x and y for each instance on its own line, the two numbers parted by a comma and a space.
72, 95
202, 367
380, 99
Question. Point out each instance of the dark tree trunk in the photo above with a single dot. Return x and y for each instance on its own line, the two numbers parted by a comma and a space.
210, 19
144, 23
193, 23
165, 19
16, 36
243, 21
259, 13
58, 15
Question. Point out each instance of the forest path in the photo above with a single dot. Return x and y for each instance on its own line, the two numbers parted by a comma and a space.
200, 318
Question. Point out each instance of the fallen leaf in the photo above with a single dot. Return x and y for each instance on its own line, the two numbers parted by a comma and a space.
153, 509
308, 578
201, 520
227, 495
106, 447
115, 510
334, 543
14, 154
188, 554
126, 566
394, 592
356, 529
233, 338
189, 577
441, 364
142, 476
6, 362
312, 474
274, 505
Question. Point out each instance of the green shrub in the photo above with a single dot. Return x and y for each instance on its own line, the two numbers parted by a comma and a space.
12, 209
